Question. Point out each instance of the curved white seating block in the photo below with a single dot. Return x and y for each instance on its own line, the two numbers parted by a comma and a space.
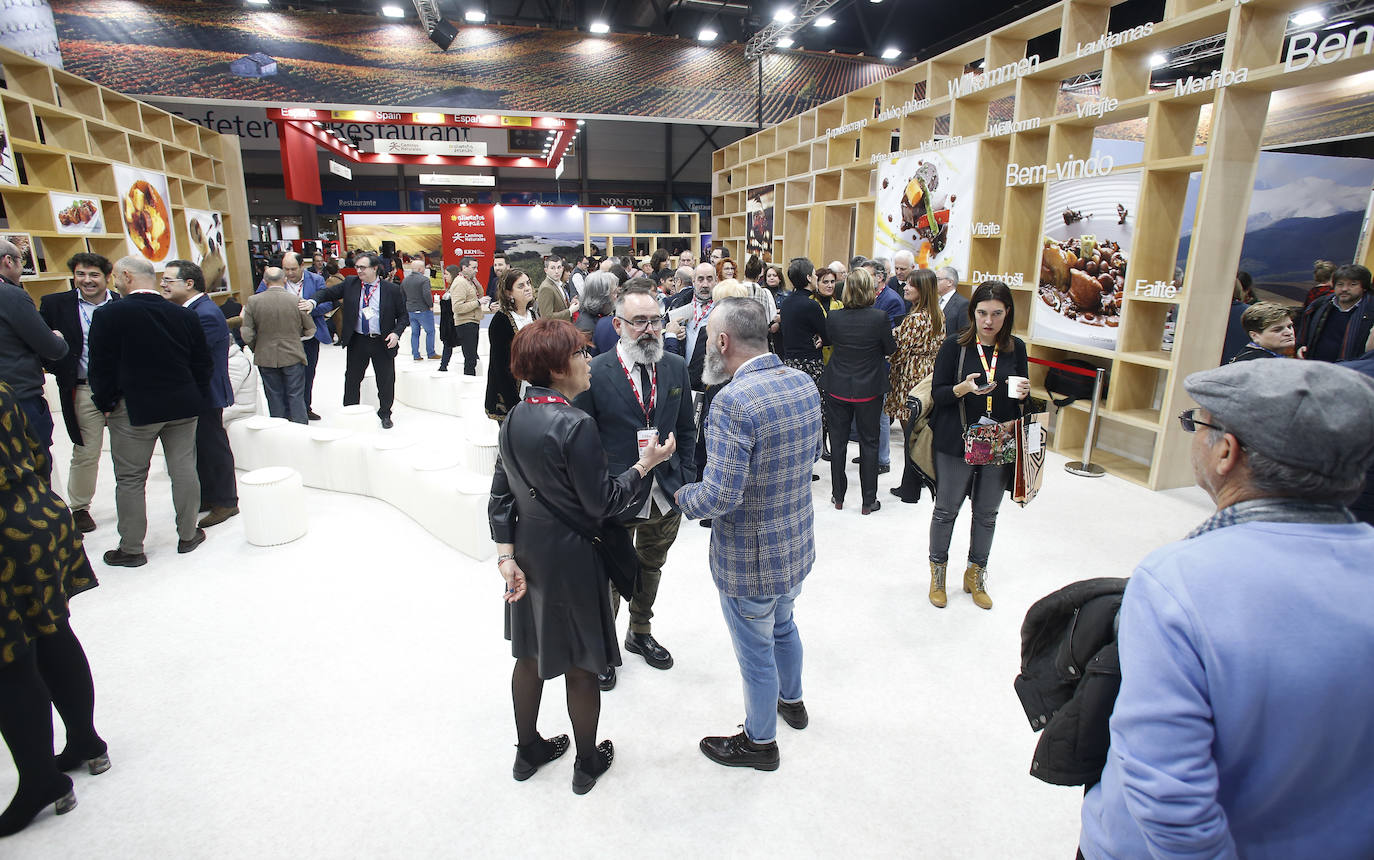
361, 417
342, 457
272, 501
430, 390
481, 434
246, 440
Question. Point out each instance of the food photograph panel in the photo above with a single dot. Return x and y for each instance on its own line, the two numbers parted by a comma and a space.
758, 208
9, 175
205, 229
76, 214
1089, 224
28, 261
925, 206
146, 211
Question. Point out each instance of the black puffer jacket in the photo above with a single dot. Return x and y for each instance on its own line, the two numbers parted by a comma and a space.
1070, 675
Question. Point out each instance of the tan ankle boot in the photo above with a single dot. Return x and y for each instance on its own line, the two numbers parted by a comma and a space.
975, 583
937, 585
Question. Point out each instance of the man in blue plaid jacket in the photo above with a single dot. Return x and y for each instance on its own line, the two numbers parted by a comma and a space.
763, 438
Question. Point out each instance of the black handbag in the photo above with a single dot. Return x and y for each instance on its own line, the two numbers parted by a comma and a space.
1072, 386
614, 544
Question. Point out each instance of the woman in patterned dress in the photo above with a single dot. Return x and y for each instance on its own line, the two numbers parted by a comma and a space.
42, 665
918, 340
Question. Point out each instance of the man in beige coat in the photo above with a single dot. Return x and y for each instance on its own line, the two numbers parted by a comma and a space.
273, 325
551, 299
460, 314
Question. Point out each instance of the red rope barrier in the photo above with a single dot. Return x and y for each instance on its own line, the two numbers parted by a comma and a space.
1067, 368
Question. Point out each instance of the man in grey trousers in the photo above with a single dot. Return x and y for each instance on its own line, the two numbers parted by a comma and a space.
273, 326
420, 307
150, 371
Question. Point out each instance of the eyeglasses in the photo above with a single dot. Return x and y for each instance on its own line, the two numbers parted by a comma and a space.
585, 352
1188, 420
167, 280
641, 323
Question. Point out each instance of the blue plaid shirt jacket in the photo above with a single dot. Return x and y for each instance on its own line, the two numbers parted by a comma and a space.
763, 437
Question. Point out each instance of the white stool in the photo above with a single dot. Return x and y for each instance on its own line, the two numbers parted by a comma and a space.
482, 436
359, 416
272, 501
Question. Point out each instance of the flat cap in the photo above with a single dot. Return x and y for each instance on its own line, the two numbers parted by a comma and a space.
1306, 414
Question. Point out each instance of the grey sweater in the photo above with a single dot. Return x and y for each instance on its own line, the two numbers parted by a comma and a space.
419, 296
25, 342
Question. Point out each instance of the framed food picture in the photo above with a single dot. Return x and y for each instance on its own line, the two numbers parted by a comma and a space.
76, 213
925, 206
145, 208
8, 174
28, 258
206, 232
758, 209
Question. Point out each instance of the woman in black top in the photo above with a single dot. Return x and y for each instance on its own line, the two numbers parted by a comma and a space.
558, 612
802, 329
515, 298
854, 383
990, 355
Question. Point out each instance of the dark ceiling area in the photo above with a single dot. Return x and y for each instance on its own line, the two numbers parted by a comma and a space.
918, 29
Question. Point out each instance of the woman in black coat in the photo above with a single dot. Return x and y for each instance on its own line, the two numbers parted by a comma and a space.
515, 297
558, 611
854, 383
991, 354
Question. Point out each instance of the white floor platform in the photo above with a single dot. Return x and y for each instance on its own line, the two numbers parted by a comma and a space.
347, 694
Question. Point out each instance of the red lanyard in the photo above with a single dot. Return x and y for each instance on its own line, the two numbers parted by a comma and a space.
990, 371
367, 294
701, 312
552, 398
639, 395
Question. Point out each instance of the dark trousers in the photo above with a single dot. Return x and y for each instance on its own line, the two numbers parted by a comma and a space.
40, 430
652, 537
956, 480
865, 417
467, 340
312, 360
215, 461
363, 349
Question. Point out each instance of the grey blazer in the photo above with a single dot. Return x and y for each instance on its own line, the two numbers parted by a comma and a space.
956, 316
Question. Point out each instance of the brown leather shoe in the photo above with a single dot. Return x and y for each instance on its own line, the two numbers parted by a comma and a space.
83, 521
739, 751
216, 516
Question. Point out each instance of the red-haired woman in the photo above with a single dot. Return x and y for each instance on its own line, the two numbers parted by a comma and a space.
558, 612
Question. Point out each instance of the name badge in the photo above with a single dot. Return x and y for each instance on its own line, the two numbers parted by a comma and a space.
369, 314
644, 437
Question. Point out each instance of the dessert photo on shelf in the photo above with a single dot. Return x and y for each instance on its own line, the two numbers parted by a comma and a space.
925, 206
206, 232
28, 262
76, 213
145, 210
758, 212
1085, 254
8, 174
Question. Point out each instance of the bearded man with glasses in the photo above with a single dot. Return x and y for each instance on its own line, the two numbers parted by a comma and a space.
638, 390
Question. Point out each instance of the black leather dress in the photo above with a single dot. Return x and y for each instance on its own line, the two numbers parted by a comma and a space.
565, 618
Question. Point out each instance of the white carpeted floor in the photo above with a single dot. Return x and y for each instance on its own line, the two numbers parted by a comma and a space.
347, 695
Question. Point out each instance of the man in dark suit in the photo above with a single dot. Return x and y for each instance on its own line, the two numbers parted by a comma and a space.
71, 313
954, 305
26, 343
150, 371
374, 315
498, 268
637, 386
184, 283
304, 283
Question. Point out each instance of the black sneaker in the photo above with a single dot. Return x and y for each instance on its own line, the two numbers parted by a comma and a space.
83, 521
794, 713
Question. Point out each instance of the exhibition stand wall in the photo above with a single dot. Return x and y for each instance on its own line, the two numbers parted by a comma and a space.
981, 158
84, 168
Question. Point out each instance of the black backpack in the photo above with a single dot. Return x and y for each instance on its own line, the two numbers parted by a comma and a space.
1072, 386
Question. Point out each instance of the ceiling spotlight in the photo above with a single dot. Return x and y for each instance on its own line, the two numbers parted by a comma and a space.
581, 122
823, 22
1157, 60
258, 2
600, 27
783, 15
891, 54
474, 16
393, 12
707, 34
1308, 17
785, 42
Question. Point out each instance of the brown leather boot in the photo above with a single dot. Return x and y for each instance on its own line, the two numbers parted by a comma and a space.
938, 599
975, 583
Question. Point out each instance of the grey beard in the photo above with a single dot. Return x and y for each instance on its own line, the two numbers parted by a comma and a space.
713, 372
647, 352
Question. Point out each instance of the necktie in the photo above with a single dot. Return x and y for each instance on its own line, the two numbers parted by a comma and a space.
645, 389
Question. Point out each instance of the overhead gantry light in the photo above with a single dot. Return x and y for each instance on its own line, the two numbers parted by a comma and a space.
891, 53
707, 34
475, 16
600, 27
1308, 17
787, 21
393, 11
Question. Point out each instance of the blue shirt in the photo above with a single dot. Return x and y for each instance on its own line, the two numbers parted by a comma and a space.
1245, 722
373, 301
890, 302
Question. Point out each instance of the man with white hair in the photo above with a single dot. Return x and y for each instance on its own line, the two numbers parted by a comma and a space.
638, 387
420, 308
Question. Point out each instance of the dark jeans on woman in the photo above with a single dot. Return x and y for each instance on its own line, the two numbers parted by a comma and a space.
957, 480
866, 415
467, 340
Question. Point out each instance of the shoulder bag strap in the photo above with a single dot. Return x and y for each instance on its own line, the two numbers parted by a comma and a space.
958, 370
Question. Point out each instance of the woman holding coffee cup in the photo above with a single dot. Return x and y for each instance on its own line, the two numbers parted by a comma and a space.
985, 371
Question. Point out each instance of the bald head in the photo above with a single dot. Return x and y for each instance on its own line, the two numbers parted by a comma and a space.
704, 281
275, 277
417, 266
135, 273
11, 263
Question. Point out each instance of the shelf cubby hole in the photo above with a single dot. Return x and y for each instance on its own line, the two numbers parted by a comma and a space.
19, 118
27, 212
1022, 215
110, 144
176, 160
1173, 129
123, 112
63, 130
93, 177
146, 154
1142, 328
31, 78
916, 129
856, 182
1136, 392
48, 169
826, 187
195, 194
798, 161
79, 95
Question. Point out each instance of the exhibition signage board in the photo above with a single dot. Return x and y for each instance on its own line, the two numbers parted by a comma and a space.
469, 231
457, 148
431, 201
462, 120
359, 201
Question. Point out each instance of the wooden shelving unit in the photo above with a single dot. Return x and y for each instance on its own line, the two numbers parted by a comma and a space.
622, 230
68, 134
824, 199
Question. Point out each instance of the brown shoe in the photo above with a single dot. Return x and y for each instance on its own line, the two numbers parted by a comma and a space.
976, 583
216, 516
938, 598
83, 521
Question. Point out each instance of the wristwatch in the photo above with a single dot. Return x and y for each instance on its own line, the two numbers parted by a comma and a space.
505, 556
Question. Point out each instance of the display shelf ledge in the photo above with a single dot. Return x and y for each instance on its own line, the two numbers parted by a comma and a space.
1073, 347
1149, 358
1159, 300
1122, 467
1145, 419
1180, 164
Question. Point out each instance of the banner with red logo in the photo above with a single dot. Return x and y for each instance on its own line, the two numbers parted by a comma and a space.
469, 231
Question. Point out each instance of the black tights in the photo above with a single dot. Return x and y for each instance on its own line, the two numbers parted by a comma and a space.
584, 704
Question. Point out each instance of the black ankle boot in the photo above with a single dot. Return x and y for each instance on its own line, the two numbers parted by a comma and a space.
585, 774
532, 756
27, 804
94, 756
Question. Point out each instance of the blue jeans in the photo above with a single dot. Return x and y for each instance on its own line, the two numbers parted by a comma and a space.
285, 390
419, 320
769, 651
884, 437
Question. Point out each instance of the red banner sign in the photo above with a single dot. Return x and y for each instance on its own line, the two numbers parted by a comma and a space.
469, 231
485, 120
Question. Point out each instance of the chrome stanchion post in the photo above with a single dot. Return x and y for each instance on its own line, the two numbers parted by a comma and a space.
1085, 466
